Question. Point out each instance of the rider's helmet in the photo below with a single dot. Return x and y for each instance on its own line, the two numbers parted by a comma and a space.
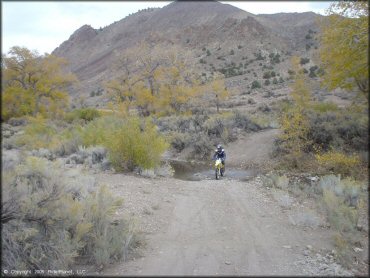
219, 147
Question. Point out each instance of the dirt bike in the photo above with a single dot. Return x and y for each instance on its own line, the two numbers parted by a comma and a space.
219, 168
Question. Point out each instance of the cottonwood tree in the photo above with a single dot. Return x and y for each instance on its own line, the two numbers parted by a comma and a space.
294, 121
344, 45
178, 84
218, 90
122, 88
153, 81
33, 84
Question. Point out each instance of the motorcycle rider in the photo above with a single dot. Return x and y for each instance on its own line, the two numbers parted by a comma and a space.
220, 153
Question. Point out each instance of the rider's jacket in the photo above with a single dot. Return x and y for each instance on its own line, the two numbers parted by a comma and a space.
220, 154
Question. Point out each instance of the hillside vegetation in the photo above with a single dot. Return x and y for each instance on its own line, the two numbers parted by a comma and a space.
161, 102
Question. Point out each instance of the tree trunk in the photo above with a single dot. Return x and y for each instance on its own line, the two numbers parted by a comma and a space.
217, 104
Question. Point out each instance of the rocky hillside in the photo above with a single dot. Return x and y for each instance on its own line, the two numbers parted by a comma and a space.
220, 37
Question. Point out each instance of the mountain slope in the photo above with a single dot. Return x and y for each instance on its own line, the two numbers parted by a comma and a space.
191, 26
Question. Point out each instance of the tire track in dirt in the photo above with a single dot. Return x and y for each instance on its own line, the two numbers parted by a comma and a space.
223, 227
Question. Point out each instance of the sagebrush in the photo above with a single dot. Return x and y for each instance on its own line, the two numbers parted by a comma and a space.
49, 223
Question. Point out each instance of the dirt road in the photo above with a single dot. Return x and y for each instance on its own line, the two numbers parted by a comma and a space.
219, 227
214, 227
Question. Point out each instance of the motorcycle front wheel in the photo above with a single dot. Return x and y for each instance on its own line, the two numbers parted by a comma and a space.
217, 173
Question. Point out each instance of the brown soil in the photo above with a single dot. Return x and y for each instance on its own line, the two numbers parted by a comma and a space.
218, 227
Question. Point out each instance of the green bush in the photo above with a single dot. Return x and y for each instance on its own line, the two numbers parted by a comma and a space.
48, 222
304, 61
324, 107
39, 133
337, 130
340, 199
179, 141
244, 122
135, 144
202, 147
266, 75
87, 114
255, 85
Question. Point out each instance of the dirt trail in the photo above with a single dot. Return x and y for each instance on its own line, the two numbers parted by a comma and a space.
214, 227
210, 227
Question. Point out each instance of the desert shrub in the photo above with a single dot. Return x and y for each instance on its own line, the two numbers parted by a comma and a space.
108, 239
305, 218
274, 180
338, 130
135, 143
216, 126
21, 121
347, 189
47, 225
54, 136
275, 59
251, 101
8, 144
70, 141
255, 85
202, 147
201, 131
264, 108
266, 75
264, 120
39, 133
244, 122
10, 159
267, 82
342, 200
87, 114
304, 61
312, 74
179, 141
283, 199
338, 162
97, 131
323, 107
341, 216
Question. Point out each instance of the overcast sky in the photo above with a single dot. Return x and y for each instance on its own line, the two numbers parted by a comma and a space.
43, 26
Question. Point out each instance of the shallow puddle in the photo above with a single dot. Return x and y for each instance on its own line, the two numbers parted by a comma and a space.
202, 171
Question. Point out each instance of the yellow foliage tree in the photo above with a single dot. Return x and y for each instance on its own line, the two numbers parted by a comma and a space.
121, 89
178, 85
218, 89
294, 122
345, 45
33, 84
153, 81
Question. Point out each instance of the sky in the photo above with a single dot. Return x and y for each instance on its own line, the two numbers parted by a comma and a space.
43, 26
